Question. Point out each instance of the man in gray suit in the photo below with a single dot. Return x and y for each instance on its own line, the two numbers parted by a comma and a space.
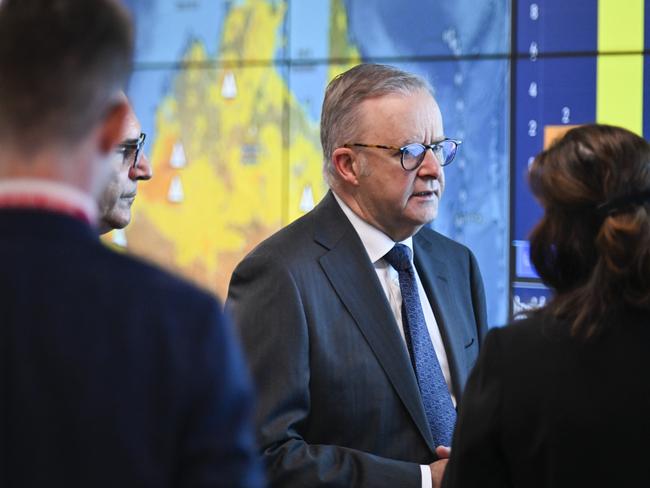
359, 357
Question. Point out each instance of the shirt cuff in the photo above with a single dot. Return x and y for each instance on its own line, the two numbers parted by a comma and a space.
426, 476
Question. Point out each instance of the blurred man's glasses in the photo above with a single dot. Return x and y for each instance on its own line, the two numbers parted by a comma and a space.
412, 155
131, 150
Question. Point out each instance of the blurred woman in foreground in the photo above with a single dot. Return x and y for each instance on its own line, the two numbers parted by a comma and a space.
562, 398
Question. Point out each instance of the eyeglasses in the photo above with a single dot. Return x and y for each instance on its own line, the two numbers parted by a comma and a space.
131, 149
412, 155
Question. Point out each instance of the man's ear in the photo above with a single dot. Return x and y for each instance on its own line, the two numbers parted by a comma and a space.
111, 127
346, 165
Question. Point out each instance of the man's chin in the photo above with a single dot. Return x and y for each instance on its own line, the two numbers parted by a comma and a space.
113, 222
426, 217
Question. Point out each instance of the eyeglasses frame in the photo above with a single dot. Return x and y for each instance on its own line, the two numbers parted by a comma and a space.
403, 148
138, 145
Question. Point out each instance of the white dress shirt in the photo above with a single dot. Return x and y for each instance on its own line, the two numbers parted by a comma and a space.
377, 244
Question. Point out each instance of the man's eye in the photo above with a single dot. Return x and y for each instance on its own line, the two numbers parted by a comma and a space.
414, 150
127, 155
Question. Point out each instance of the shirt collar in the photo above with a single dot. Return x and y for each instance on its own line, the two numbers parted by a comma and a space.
48, 195
376, 243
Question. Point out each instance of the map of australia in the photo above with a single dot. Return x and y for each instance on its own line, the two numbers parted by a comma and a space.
229, 94
223, 177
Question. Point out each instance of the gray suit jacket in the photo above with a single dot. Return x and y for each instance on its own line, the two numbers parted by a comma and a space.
339, 404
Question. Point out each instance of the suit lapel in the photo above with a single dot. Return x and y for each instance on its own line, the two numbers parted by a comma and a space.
434, 276
355, 281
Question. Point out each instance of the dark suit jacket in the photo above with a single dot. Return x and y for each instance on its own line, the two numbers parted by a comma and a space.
339, 402
544, 410
112, 373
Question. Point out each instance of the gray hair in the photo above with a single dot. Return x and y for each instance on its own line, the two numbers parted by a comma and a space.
340, 113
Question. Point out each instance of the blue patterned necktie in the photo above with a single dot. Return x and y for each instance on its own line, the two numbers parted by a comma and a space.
436, 399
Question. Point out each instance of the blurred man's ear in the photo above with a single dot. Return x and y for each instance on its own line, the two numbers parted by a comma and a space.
112, 125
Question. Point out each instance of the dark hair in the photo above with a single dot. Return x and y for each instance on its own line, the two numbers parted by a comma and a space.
61, 62
592, 246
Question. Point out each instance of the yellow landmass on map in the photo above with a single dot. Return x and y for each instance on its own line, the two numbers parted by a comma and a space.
340, 48
238, 183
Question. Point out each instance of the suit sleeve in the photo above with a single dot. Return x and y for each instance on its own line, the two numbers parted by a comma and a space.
478, 298
267, 306
217, 443
477, 458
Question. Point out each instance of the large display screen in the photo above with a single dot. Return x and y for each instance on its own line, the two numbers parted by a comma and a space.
577, 62
229, 94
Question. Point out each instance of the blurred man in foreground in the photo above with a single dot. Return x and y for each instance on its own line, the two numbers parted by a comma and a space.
112, 373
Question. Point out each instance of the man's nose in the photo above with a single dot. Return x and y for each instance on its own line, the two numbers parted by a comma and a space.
142, 170
430, 166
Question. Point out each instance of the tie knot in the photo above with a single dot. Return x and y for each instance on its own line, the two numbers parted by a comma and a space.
399, 257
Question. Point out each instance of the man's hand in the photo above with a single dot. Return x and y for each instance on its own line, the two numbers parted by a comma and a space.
438, 467
443, 452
